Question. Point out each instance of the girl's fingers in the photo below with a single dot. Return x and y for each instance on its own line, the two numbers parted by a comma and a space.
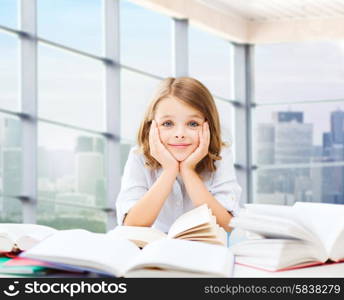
202, 134
201, 138
206, 136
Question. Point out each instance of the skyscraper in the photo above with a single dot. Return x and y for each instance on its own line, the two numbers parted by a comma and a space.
90, 144
89, 170
337, 125
333, 150
293, 142
84, 144
265, 143
288, 116
327, 143
285, 141
12, 133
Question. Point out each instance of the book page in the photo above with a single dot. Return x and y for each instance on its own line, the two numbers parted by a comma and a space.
85, 249
201, 228
337, 249
273, 210
324, 220
199, 232
137, 234
271, 226
275, 254
174, 254
211, 234
195, 217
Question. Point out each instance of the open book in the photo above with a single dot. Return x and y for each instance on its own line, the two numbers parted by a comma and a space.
197, 224
286, 237
79, 249
15, 237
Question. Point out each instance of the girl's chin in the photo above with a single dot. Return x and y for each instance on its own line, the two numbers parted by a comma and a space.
180, 157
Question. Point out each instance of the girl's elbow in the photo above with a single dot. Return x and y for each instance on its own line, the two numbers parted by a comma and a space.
139, 223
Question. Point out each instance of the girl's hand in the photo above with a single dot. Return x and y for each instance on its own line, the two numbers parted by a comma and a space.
201, 151
159, 151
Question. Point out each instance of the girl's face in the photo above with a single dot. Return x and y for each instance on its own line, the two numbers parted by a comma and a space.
179, 125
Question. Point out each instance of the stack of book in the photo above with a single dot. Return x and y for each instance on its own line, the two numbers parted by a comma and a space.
288, 237
195, 246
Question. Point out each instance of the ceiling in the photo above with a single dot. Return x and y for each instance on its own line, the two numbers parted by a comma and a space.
278, 10
260, 21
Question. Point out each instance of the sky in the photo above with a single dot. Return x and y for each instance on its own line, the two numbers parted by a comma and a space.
71, 87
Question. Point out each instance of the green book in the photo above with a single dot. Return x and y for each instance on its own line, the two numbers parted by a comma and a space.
20, 270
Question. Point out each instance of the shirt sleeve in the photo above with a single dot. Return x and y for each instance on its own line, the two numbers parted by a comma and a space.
224, 186
133, 186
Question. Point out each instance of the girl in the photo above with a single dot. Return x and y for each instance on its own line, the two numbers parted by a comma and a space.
180, 161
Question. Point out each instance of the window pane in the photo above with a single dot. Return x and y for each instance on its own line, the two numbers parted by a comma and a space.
301, 133
299, 71
136, 92
10, 168
286, 185
8, 13
71, 88
145, 39
210, 62
71, 167
61, 216
74, 23
10, 210
9, 66
10, 156
225, 110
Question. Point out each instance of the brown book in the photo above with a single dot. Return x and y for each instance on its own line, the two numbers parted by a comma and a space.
197, 224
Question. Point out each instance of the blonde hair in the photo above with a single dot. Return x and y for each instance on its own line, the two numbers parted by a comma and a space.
195, 94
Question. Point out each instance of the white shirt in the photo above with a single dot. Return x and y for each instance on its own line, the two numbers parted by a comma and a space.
137, 180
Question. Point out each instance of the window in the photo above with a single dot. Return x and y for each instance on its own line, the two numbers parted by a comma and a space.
10, 168
8, 13
64, 216
9, 67
71, 176
71, 88
136, 92
291, 72
299, 143
286, 185
73, 23
226, 113
210, 62
146, 39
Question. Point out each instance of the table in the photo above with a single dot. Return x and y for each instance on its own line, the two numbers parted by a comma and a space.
322, 271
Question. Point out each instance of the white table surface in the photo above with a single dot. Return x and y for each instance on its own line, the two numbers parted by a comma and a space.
332, 270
